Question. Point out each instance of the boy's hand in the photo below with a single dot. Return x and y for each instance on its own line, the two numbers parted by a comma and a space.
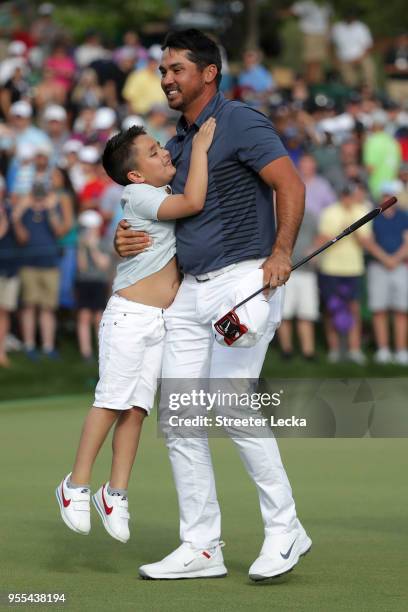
205, 134
130, 242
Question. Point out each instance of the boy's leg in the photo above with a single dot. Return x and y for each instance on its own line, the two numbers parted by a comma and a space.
96, 427
124, 445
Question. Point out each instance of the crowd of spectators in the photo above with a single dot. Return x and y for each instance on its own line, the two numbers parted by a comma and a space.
347, 135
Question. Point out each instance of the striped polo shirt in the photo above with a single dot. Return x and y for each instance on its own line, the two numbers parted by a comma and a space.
237, 221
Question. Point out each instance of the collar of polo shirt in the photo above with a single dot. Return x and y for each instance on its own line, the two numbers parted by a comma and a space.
182, 126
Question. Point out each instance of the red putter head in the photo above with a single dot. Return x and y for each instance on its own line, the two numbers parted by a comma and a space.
230, 327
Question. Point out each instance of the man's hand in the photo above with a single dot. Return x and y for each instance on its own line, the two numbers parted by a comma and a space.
390, 262
129, 242
276, 269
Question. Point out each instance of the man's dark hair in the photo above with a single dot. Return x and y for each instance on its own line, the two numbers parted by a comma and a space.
119, 155
201, 49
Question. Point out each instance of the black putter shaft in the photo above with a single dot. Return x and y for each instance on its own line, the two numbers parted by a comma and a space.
349, 230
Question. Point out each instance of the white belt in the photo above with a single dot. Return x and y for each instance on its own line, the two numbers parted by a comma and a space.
202, 278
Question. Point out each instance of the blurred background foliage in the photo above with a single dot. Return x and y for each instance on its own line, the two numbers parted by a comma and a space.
231, 19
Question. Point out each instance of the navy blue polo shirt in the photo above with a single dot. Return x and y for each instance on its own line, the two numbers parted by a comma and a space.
237, 221
389, 230
42, 249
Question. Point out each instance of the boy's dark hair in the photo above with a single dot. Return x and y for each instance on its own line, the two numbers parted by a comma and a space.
119, 155
201, 49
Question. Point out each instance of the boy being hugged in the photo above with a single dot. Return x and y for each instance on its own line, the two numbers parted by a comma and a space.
131, 335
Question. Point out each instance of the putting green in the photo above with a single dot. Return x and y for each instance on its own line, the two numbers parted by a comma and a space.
351, 495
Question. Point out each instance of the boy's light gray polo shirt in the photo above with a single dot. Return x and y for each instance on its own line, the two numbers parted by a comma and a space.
140, 204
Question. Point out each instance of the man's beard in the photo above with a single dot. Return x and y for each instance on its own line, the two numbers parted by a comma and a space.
184, 102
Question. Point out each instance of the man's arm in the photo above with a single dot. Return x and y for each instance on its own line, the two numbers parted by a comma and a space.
290, 204
128, 242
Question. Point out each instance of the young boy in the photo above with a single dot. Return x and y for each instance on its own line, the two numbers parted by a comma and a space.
132, 330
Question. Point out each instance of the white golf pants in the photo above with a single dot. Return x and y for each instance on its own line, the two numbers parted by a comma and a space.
191, 352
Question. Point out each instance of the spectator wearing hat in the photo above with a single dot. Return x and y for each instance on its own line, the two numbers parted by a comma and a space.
396, 70
70, 162
93, 276
9, 279
142, 88
38, 223
38, 172
21, 120
16, 56
388, 284
15, 89
353, 42
55, 124
21, 134
104, 125
381, 154
23, 180
83, 128
44, 31
95, 179
341, 271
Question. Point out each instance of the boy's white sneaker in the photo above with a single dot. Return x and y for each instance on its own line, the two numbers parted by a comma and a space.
187, 562
113, 510
74, 506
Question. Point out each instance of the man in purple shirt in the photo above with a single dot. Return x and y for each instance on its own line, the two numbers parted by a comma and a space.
319, 192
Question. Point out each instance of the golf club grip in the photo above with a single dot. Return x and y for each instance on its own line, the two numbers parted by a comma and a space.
346, 232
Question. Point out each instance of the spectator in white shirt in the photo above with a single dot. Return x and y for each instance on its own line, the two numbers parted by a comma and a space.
353, 43
314, 24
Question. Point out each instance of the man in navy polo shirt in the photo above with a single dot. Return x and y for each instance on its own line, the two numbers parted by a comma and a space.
233, 236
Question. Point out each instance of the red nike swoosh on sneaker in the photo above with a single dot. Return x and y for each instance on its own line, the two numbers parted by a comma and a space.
108, 509
66, 502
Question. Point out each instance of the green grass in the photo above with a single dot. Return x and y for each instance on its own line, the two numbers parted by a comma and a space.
351, 496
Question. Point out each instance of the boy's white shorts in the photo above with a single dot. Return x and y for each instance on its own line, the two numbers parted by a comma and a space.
131, 341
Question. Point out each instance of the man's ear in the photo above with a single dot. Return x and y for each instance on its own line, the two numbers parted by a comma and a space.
135, 177
210, 73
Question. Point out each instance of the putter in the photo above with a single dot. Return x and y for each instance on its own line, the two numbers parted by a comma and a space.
230, 327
